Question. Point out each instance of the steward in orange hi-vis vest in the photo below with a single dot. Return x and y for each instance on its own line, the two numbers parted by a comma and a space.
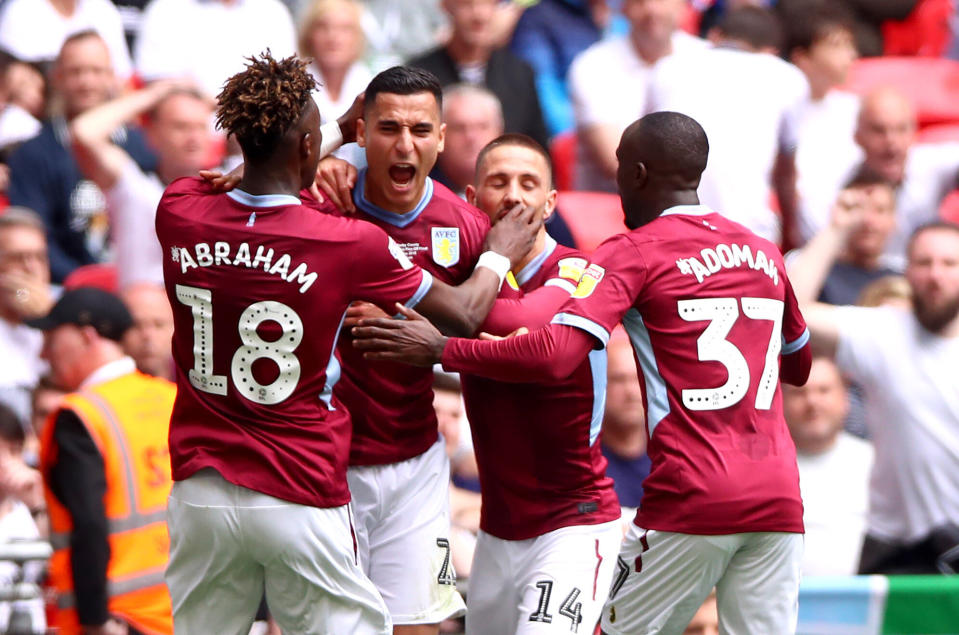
128, 420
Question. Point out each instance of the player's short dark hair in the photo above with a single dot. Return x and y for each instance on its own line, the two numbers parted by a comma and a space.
403, 80
867, 177
936, 225
673, 144
260, 104
11, 428
804, 29
758, 27
516, 139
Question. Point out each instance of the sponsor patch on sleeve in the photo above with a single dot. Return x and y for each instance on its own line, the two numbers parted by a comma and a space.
587, 284
571, 268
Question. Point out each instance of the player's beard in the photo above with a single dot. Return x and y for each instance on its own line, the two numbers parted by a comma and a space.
933, 317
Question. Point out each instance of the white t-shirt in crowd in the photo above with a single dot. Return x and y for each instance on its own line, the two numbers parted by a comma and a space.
132, 204
825, 155
607, 85
355, 82
18, 524
748, 104
835, 495
932, 171
16, 125
33, 31
910, 383
210, 41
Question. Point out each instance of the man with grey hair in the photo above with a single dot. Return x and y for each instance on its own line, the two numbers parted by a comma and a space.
43, 173
473, 117
24, 293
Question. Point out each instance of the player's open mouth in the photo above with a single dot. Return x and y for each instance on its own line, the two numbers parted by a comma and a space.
402, 174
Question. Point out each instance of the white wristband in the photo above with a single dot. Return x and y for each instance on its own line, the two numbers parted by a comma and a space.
331, 138
498, 264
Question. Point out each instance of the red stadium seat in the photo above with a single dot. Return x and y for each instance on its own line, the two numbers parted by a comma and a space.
592, 217
562, 151
932, 84
949, 210
939, 134
924, 32
100, 276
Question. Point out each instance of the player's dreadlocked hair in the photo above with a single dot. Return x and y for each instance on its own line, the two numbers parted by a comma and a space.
259, 104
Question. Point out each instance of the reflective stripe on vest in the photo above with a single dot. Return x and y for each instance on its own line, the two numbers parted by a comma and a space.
67, 601
135, 520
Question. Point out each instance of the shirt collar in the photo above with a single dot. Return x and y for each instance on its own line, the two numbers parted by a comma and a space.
688, 210
262, 200
398, 220
111, 370
536, 263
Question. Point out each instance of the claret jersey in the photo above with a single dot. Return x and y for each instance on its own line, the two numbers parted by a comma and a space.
709, 311
537, 445
259, 286
392, 403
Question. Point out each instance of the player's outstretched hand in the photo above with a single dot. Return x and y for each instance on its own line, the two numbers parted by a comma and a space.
513, 235
412, 341
335, 178
223, 182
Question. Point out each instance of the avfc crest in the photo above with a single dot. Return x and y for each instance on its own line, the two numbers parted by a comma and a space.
446, 245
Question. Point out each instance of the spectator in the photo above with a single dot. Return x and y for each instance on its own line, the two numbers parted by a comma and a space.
36, 30
851, 247
332, 35
923, 173
470, 57
608, 83
17, 87
887, 291
624, 425
106, 472
148, 340
45, 177
549, 35
26, 86
24, 293
821, 46
906, 364
833, 471
209, 40
398, 31
473, 117
747, 100
17, 524
868, 17
178, 129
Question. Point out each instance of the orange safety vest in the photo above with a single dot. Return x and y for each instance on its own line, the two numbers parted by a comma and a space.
128, 419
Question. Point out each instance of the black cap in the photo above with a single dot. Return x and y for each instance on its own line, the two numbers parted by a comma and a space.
88, 306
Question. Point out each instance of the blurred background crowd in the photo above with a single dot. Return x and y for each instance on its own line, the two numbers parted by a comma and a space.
834, 131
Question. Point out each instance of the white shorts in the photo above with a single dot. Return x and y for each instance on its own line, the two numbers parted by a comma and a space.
554, 583
662, 578
402, 513
229, 543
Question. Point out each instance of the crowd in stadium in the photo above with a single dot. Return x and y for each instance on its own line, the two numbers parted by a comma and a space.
833, 132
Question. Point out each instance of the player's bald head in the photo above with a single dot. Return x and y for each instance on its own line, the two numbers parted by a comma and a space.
672, 146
